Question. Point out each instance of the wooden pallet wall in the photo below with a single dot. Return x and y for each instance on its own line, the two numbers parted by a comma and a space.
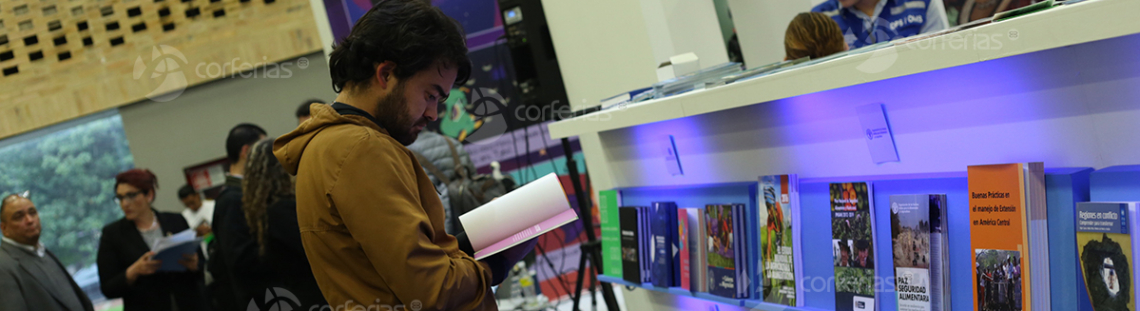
62, 59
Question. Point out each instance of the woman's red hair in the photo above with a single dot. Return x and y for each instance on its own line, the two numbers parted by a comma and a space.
140, 178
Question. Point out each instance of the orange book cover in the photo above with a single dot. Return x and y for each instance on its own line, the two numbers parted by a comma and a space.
999, 237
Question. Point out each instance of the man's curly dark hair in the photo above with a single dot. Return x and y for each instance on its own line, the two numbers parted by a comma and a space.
410, 33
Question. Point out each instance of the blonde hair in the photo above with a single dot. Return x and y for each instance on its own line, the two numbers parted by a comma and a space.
813, 35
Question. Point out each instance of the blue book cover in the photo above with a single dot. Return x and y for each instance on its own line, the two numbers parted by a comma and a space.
664, 228
675, 247
721, 255
755, 266
646, 244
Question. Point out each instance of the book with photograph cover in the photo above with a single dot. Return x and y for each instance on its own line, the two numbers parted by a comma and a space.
853, 246
1106, 254
920, 251
1009, 236
722, 280
777, 252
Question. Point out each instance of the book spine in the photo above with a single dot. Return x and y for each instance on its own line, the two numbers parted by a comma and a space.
699, 266
740, 235
683, 240
754, 224
1038, 215
674, 245
646, 245
608, 202
630, 245
663, 229
797, 233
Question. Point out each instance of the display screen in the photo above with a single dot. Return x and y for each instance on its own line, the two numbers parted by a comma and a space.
513, 15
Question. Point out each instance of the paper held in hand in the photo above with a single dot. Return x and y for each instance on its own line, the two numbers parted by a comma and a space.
171, 248
518, 216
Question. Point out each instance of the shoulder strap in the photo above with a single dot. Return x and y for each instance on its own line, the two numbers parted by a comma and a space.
431, 168
459, 168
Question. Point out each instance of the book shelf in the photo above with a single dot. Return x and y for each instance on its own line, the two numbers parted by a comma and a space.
1054, 28
1065, 187
1066, 92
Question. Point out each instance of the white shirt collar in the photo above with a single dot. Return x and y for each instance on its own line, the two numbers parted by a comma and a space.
38, 250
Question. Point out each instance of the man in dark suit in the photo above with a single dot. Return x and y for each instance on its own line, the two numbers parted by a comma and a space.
238, 274
31, 278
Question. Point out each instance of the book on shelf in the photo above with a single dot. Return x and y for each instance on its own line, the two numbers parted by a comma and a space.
779, 253
1009, 236
623, 98
1106, 253
516, 217
721, 253
171, 249
610, 223
740, 241
698, 244
682, 264
664, 228
631, 244
853, 245
921, 251
646, 243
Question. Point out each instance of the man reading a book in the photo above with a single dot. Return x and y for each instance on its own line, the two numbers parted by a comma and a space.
371, 222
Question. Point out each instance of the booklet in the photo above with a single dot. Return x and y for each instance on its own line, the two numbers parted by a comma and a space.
518, 216
171, 248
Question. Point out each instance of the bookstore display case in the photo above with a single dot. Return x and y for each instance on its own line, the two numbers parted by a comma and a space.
918, 122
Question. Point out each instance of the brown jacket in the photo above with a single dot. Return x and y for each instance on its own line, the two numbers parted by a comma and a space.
371, 221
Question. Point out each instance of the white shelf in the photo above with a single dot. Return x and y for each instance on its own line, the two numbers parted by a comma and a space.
747, 303
1067, 25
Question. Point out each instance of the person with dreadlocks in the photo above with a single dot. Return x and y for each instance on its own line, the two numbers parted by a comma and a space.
270, 208
812, 35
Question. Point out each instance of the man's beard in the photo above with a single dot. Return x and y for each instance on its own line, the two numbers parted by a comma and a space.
392, 112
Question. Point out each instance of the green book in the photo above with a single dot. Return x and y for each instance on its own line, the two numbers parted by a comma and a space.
608, 203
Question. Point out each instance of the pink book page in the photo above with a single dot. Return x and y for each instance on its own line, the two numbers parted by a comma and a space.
530, 233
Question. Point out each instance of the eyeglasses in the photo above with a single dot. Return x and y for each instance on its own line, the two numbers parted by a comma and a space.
128, 196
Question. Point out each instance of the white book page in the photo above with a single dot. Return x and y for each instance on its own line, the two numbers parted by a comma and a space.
180, 238
514, 212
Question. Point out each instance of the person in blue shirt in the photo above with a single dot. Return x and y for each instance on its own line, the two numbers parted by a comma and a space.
866, 22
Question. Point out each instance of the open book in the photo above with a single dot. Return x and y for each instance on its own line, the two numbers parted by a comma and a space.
518, 216
171, 248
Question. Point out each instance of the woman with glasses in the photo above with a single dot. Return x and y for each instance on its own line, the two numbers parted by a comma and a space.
126, 267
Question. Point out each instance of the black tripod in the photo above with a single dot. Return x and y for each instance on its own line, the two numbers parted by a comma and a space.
591, 248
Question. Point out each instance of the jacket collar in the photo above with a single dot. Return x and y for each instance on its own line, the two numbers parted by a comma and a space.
347, 110
37, 250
